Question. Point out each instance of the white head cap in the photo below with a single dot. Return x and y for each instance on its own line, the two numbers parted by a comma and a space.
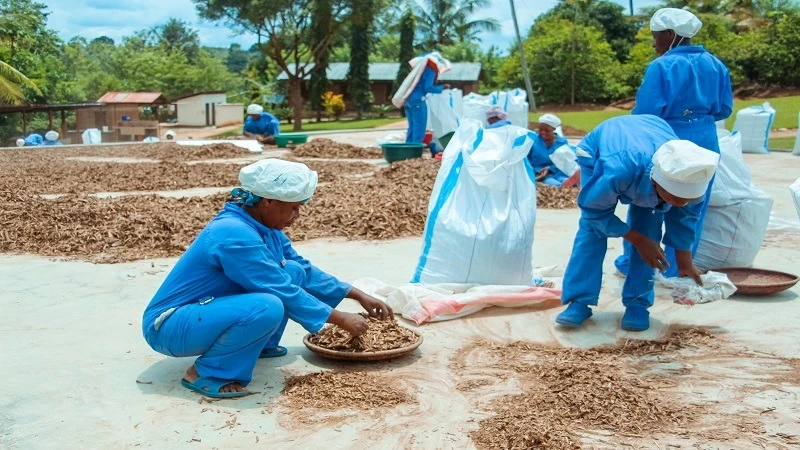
683, 22
170, 135
255, 109
277, 179
496, 111
51, 135
550, 119
20, 142
683, 168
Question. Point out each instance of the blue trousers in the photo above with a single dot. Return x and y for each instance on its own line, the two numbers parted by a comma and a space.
584, 275
417, 116
555, 179
299, 278
227, 333
702, 132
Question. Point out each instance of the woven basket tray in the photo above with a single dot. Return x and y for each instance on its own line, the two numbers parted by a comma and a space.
749, 281
366, 356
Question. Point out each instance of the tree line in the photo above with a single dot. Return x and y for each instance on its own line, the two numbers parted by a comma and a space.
578, 51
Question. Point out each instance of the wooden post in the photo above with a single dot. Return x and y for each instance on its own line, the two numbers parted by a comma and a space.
50, 118
63, 124
24, 125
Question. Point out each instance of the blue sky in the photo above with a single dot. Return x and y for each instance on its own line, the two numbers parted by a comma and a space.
118, 18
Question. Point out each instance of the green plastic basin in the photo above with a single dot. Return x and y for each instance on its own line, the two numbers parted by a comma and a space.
444, 140
284, 140
397, 152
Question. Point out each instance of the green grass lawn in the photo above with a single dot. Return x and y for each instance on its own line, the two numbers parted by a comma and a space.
781, 144
786, 109
338, 125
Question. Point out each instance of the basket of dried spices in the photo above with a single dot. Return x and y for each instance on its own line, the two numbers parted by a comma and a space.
384, 339
751, 281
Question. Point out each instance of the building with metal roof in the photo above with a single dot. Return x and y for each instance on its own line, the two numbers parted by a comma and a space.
134, 98
464, 75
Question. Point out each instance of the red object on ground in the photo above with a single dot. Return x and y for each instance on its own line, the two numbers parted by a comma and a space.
428, 137
438, 156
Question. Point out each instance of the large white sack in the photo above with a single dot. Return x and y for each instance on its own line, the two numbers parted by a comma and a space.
482, 210
738, 213
514, 102
796, 151
754, 124
92, 136
794, 188
732, 180
475, 107
442, 114
565, 159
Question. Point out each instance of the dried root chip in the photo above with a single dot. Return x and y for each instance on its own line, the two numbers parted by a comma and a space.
380, 336
326, 148
341, 390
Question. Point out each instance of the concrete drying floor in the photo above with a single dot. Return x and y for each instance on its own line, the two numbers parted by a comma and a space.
76, 372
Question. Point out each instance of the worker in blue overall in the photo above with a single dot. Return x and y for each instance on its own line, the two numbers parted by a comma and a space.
230, 295
260, 125
547, 141
639, 161
689, 88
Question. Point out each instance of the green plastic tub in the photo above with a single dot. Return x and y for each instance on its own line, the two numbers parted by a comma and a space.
397, 152
284, 140
444, 140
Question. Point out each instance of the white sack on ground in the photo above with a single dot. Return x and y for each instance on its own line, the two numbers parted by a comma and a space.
475, 107
738, 212
422, 303
92, 136
794, 189
442, 111
754, 124
716, 286
481, 211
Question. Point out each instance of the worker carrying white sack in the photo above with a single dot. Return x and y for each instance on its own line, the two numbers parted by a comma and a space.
482, 210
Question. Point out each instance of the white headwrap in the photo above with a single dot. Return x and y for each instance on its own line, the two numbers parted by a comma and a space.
170, 135
684, 23
683, 168
20, 142
255, 109
51, 135
277, 179
496, 111
550, 119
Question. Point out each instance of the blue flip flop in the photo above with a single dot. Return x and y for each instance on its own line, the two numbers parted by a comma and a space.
276, 352
574, 316
210, 387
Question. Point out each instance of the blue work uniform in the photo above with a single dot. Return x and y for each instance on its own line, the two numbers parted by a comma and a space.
618, 170
691, 89
50, 143
266, 125
34, 140
539, 157
415, 107
499, 123
231, 294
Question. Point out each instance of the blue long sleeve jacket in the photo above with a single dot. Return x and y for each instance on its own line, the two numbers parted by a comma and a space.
617, 169
267, 124
235, 254
426, 85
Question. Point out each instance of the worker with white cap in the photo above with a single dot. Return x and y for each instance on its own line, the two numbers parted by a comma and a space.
544, 144
230, 295
51, 138
689, 88
261, 125
496, 117
639, 161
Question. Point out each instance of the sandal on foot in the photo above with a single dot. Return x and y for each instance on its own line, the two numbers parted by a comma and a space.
276, 352
210, 387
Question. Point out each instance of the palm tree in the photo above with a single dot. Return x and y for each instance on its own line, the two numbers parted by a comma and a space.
11, 82
444, 22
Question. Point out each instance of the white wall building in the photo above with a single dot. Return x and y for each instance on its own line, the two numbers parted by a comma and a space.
208, 109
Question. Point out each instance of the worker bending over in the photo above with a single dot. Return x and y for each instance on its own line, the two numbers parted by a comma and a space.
260, 125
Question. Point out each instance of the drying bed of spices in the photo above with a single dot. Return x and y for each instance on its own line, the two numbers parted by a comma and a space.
326, 148
334, 391
567, 391
381, 335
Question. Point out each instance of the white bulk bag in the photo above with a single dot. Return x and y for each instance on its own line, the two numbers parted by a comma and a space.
738, 213
92, 136
565, 159
796, 151
442, 112
475, 107
754, 124
482, 210
794, 188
